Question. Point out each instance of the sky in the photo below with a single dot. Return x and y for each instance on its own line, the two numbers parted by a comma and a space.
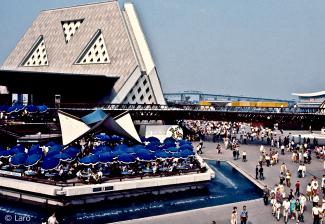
258, 48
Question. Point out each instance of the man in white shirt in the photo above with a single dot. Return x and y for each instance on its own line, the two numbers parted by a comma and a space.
315, 200
52, 219
286, 207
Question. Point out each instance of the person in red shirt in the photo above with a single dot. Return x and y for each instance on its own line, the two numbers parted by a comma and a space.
297, 188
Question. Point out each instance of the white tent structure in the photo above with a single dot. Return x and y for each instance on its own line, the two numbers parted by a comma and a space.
74, 128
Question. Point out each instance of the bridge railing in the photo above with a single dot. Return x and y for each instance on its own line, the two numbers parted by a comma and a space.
187, 107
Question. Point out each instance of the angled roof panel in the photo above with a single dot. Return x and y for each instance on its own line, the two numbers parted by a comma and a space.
71, 127
61, 56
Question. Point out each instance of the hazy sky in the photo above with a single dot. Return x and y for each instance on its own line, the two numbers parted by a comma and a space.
266, 48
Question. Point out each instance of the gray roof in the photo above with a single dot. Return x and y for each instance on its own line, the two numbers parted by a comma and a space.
62, 56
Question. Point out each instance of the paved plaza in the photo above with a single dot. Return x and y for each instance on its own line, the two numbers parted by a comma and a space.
258, 212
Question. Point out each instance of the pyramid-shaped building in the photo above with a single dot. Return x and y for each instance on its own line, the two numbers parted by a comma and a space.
95, 53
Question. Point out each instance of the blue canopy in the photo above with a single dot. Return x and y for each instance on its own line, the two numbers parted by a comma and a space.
186, 153
101, 149
126, 158
172, 149
11, 109
63, 156
106, 157
161, 155
169, 145
146, 156
184, 142
186, 146
18, 159
49, 144
31, 108
4, 108
143, 139
17, 149
89, 160
6, 153
116, 153
53, 152
42, 108
50, 163
33, 159
19, 108
35, 149
176, 155
115, 138
130, 150
152, 139
72, 151
169, 139
153, 146
94, 117
141, 150
121, 147
56, 147
103, 137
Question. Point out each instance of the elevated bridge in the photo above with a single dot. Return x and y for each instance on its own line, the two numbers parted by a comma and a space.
297, 117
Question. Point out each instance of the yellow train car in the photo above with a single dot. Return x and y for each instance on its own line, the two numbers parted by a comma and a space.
261, 104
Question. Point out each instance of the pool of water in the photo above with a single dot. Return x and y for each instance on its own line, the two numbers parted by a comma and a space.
228, 186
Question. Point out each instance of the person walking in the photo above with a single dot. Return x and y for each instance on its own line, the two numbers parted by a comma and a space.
286, 208
261, 170
233, 218
297, 185
244, 215
266, 195
256, 171
315, 212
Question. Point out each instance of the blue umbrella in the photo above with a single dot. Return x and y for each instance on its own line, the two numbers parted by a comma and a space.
72, 151
103, 137
56, 147
162, 155
130, 150
4, 108
33, 159
184, 142
35, 149
152, 139
19, 108
115, 138
176, 155
89, 160
169, 139
11, 109
142, 138
106, 157
118, 152
63, 156
146, 156
50, 163
42, 108
18, 159
153, 147
186, 153
31, 108
169, 145
17, 149
142, 150
184, 147
172, 149
101, 149
6, 153
121, 147
49, 144
126, 158
52, 153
